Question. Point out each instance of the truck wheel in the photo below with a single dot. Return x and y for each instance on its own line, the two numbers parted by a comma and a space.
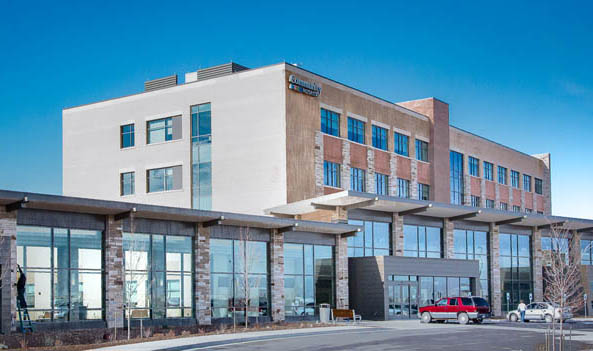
462, 318
548, 318
513, 317
426, 317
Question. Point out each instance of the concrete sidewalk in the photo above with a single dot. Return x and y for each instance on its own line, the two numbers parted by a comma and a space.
196, 341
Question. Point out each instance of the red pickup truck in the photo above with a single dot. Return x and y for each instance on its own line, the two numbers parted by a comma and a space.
463, 309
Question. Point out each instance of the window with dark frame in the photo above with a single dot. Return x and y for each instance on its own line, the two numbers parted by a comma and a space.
356, 130
527, 182
357, 179
423, 192
127, 138
421, 150
474, 166
379, 137
538, 186
401, 142
514, 179
330, 122
381, 184
127, 183
502, 175
331, 174
488, 171
403, 188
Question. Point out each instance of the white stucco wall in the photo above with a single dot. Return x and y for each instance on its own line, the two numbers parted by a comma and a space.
248, 142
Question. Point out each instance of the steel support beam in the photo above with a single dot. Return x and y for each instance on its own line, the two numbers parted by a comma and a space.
511, 221
217, 221
416, 210
124, 215
290, 228
465, 216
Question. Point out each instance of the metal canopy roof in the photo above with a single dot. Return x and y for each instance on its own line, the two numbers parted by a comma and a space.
372, 202
18, 200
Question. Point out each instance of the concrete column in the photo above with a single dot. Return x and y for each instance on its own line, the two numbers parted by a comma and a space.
277, 275
397, 235
495, 286
448, 238
114, 277
341, 263
537, 259
345, 169
318, 154
414, 181
202, 304
8, 269
393, 175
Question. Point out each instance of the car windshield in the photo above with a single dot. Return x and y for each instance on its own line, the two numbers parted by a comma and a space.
478, 301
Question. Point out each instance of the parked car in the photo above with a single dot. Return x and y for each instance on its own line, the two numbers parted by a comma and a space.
463, 309
540, 311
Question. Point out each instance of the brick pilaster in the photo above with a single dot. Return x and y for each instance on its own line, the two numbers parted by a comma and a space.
397, 234
202, 304
8, 263
345, 168
318, 163
537, 259
341, 263
114, 276
495, 286
448, 238
370, 178
277, 275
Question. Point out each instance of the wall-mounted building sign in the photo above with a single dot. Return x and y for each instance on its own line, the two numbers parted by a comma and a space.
302, 86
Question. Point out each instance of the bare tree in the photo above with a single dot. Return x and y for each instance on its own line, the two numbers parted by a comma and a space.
248, 257
562, 275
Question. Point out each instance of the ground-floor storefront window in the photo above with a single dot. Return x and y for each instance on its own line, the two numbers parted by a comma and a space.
239, 278
158, 275
63, 269
515, 270
308, 278
374, 240
473, 245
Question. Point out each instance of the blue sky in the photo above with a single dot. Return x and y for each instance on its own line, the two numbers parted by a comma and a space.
520, 73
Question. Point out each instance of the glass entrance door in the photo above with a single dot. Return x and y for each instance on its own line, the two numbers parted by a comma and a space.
403, 300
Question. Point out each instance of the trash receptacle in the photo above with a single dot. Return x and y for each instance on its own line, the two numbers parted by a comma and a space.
324, 310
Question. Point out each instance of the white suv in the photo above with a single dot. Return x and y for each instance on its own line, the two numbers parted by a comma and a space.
538, 311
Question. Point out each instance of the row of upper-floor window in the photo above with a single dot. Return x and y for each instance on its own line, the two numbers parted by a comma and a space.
330, 124
475, 201
358, 178
157, 180
474, 170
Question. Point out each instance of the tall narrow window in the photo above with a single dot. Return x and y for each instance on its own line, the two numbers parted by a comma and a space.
201, 142
489, 203
379, 137
473, 245
330, 122
403, 188
421, 150
488, 171
456, 177
502, 175
475, 201
538, 186
526, 182
514, 179
504, 206
126, 136
356, 130
357, 179
515, 268
516, 208
423, 192
400, 144
382, 184
474, 166
331, 174
127, 185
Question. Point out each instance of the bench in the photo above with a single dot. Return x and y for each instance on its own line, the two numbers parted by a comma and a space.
345, 314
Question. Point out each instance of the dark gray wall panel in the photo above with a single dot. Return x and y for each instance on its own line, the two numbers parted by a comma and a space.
468, 225
232, 232
366, 288
309, 238
60, 219
153, 226
423, 221
513, 229
398, 265
366, 215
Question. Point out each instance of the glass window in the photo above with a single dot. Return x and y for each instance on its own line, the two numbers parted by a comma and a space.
356, 130
127, 183
403, 188
382, 184
474, 166
423, 192
421, 150
357, 179
526, 182
159, 130
422, 241
538, 186
401, 144
201, 183
514, 179
504, 206
305, 289
330, 122
331, 174
515, 268
475, 201
61, 286
379, 137
488, 171
516, 208
374, 240
489, 203
473, 245
502, 175
456, 177
161, 179
126, 136
586, 252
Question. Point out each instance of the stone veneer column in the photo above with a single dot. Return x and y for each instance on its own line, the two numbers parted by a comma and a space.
448, 238
341, 263
345, 168
495, 292
8, 262
277, 275
203, 312
482, 192
414, 181
318, 163
393, 175
537, 259
114, 276
522, 196
397, 234
370, 178
510, 204
497, 195
467, 183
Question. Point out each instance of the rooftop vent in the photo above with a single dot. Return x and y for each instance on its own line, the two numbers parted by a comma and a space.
220, 70
160, 83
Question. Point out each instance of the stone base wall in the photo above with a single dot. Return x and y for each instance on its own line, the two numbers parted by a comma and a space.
448, 238
495, 293
397, 235
8, 272
341, 262
114, 279
203, 312
537, 259
277, 275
